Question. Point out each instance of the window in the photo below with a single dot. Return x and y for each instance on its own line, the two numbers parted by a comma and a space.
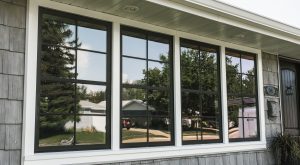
242, 95
200, 93
146, 89
73, 92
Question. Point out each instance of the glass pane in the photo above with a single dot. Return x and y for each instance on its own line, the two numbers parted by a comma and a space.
189, 128
134, 102
190, 78
233, 62
135, 47
158, 74
248, 64
134, 129
159, 129
58, 62
56, 130
249, 107
158, 51
209, 81
210, 105
236, 128
58, 31
189, 57
250, 127
210, 129
90, 130
208, 61
233, 83
235, 109
190, 103
134, 71
90, 38
57, 98
91, 66
249, 85
158, 103
92, 99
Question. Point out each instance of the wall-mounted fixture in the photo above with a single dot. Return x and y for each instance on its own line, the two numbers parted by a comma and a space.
271, 90
273, 110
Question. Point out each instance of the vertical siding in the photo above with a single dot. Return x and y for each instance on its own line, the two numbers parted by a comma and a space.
12, 48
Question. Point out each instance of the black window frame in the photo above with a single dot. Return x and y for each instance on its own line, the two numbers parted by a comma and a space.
241, 53
147, 33
219, 94
107, 83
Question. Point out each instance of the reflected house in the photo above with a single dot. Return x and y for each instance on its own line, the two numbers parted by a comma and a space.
246, 125
92, 115
93, 123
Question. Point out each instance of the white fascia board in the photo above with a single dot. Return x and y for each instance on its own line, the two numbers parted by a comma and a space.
236, 17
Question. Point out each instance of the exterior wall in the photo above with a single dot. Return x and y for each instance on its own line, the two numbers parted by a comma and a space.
273, 127
12, 48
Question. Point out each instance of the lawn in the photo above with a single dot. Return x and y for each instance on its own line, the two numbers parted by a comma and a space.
90, 137
81, 138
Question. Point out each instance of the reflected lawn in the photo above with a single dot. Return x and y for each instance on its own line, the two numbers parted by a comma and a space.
82, 137
130, 134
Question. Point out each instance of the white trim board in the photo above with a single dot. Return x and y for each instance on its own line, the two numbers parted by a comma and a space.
116, 154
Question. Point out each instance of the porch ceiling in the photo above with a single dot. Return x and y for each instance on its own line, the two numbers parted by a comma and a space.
176, 19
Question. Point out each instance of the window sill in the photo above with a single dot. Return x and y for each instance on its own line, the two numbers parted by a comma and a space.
134, 154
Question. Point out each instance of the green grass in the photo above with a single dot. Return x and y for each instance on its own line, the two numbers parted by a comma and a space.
90, 137
81, 138
128, 134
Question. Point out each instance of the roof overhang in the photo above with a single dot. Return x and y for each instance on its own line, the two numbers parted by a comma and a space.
206, 18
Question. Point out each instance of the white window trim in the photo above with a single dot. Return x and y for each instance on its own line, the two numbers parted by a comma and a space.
116, 154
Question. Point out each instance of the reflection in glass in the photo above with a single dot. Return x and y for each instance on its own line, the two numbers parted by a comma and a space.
248, 64
210, 129
90, 130
92, 98
158, 50
57, 62
158, 102
248, 85
190, 78
233, 62
233, 83
249, 109
210, 105
134, 129
207, 61
235, 108
133, 71
135, 47
92, 39
54, 132
91, 66
189, 128
250, 127
134, 102
190, 104
189, 57
159, 129
158, 74
209, 81
58, 31
235, 128
57, 98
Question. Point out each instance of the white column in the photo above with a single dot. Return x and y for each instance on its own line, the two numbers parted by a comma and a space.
177, 92
260, 85
224, 95
115, 94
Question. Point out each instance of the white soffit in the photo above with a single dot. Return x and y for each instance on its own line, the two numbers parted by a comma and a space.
206, 18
